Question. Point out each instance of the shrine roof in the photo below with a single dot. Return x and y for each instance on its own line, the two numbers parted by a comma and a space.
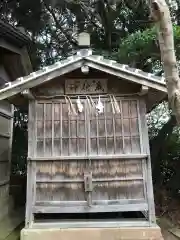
13, 35
77, 61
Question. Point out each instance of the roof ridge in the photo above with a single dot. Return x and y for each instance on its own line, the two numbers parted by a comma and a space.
127, 68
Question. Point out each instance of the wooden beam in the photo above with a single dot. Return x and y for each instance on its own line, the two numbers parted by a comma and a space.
26, 62
4, 182
98, 208
148, 173
128, 76
28, 94
36, 80
9, 47
144, 90
50, 203
94, 180
110, 224
58, 158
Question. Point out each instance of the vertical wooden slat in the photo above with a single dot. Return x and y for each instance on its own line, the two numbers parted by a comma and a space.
31, 153
35, 129
32, 129
44, 126
140, 127
122, 125
61, 151
105, 122
33, 180
10, 141
69, 133
87, 115
144, 174
114, 133
52, 119
29, 216
130, 127
97, 133
145, 142
77, 133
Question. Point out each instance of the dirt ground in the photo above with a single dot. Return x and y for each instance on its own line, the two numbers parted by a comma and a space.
166, 225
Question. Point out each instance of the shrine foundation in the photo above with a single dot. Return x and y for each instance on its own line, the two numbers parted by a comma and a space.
125, 233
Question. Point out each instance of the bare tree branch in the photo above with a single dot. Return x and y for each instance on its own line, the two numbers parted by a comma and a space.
67, 36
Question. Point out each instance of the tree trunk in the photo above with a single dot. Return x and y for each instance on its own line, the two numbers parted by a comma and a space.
160, 13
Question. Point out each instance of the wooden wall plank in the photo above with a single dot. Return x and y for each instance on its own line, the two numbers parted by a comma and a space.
30, 165
97, 208
6, 131
70, 144
148, 171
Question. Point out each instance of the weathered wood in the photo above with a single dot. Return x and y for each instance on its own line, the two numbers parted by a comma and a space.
20, 86
4, 182
127, 76
112, 179
82, 181
144, 90
92, 224
6, 110
85, 86
4, 135
55, 88
10, 47
28, 94
98, 208
26, 62
92, 157
102, 169
91, 129
70, 144
10, 132
148, 171
31, 153
61, 99
4, 173
84, 203
6, 124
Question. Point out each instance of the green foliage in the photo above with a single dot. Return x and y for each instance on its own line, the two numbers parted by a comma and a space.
157, 118
53, 24
170, 163
141, 50
137, 45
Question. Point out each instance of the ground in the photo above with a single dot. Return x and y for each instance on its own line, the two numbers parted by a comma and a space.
166, 225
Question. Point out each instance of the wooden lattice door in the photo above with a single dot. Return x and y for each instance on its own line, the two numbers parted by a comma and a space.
62, 132
83, 156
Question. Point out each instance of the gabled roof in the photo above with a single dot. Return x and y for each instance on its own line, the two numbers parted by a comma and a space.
77, 61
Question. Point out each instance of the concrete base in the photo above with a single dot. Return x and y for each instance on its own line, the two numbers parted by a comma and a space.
125, 233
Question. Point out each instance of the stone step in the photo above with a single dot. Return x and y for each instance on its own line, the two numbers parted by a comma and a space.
128, 233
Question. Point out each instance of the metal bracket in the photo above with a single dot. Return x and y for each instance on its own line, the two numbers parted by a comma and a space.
88, 182
88, 187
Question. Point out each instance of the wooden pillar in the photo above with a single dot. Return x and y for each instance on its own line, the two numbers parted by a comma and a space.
146, 150
30, 196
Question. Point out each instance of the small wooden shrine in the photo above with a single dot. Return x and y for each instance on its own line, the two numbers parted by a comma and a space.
14, 62
88, 159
